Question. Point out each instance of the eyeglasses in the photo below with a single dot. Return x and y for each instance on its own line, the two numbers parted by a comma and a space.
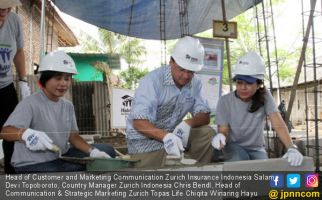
184, 70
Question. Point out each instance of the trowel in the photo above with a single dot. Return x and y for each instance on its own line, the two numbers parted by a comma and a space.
179, 160
77, 160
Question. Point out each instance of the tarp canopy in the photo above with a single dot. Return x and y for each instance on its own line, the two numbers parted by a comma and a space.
141, 18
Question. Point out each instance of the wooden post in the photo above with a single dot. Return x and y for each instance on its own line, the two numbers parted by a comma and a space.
227, 46
300, 64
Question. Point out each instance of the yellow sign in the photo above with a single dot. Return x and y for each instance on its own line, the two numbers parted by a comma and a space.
224, 29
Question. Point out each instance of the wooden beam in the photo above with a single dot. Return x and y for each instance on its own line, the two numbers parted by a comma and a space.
300, 64
227, 46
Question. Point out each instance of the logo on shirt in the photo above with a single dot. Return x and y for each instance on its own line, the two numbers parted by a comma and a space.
5, 54
4, 60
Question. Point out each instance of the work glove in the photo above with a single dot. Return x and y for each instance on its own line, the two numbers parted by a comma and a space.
36, 140
218, 141
294, 157
95, 153
173, 145
24, 89
182, 131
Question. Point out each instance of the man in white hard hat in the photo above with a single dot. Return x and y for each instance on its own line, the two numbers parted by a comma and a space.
45, 122
155, 126
240, 116
11, 52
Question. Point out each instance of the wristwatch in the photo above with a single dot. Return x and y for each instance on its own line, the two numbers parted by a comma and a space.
292, 146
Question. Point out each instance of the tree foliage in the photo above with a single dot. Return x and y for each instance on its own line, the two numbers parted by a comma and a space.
88, 44
131, 76
113, 42
130, 49
248, 41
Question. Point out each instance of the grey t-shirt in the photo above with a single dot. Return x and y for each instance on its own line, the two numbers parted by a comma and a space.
246, 129
11, 39
56, 119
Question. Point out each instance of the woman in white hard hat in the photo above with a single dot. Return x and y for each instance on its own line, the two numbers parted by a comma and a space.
45, 119
11, 51
240, 116
155, 126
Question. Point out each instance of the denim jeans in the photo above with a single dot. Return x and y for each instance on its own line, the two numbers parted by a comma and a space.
64, 166
235, 152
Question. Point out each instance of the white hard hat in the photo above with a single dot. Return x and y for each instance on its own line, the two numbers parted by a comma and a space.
58, 61
189, 54
251, 64
4, 4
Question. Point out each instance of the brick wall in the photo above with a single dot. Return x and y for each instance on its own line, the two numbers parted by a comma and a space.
30, 16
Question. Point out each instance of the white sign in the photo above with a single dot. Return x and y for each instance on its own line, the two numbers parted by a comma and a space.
224, 29
210, 88
211, 73
212, 60
121, 106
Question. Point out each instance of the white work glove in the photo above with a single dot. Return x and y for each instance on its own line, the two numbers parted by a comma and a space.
24, 89
218, 141
182, 131
172, 144
294, 157
95, 153
36, 140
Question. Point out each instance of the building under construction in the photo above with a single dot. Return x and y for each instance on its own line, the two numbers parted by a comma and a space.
300, 101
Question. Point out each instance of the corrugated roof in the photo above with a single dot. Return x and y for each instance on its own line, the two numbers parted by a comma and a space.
113, 60
66, 37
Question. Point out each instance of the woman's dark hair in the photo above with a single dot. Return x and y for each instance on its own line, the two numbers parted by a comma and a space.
46, 75
258, 98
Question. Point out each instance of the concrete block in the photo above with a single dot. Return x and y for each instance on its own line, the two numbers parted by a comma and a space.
250, 168
274, 164
208, 167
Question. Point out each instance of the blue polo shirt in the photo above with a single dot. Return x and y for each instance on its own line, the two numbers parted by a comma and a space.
160, 101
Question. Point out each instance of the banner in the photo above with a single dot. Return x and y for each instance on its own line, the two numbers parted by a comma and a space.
121, 106
211, 73
210, 88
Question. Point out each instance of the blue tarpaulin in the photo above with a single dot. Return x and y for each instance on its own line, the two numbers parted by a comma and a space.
141, 18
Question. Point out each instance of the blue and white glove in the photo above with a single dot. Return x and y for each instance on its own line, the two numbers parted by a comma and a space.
182, 131
294, 157
218, 141
173, 145
95, 153
36, 140
24, 89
